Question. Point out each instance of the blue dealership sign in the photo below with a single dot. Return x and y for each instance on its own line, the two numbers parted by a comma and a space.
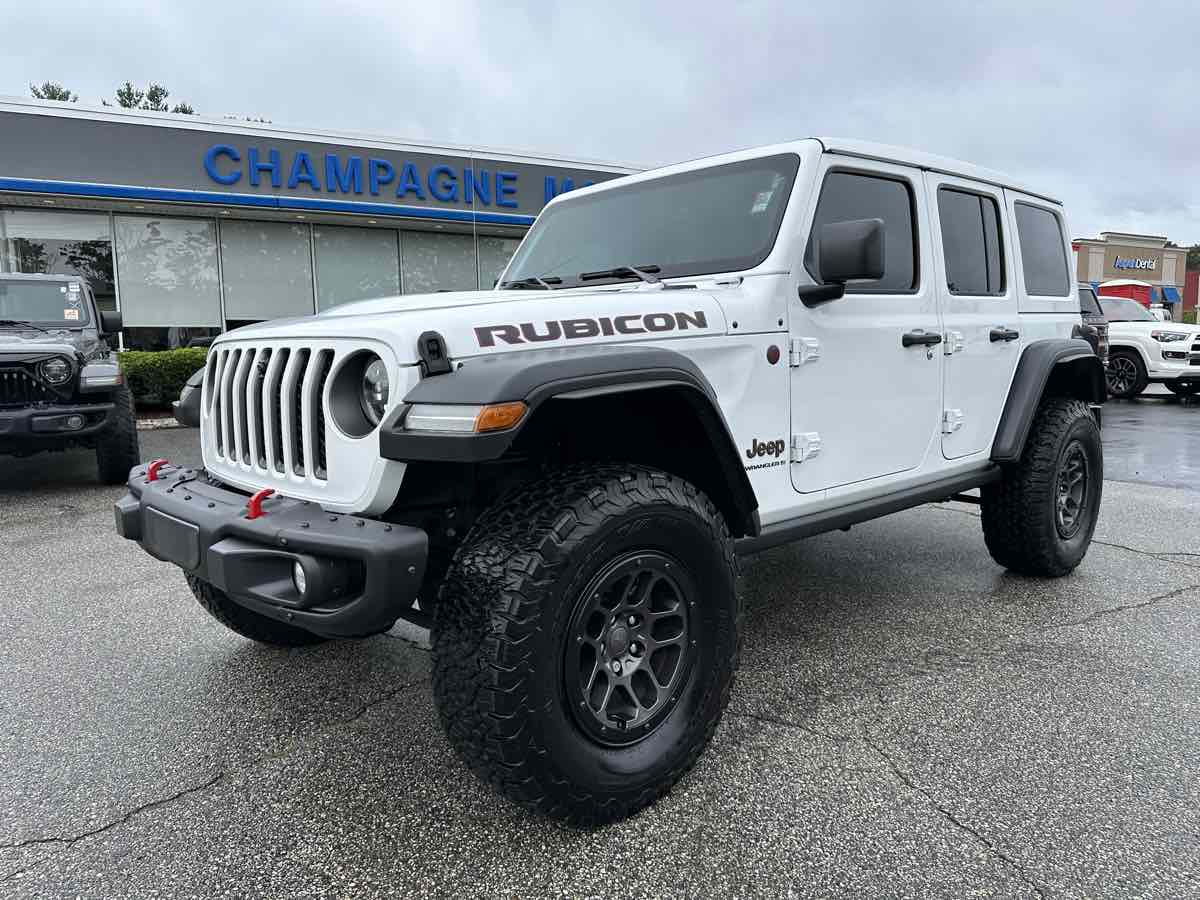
341, 173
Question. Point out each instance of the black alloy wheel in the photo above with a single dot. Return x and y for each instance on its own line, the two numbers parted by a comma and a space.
1071, 491
631, 647
1125, 376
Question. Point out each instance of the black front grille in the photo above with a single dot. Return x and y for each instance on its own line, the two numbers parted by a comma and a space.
324, 364
19, 388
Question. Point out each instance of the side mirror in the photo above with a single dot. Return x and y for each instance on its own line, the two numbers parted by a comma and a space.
846, 251
110, 321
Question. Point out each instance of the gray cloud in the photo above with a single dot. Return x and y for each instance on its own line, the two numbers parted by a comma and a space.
1093, 102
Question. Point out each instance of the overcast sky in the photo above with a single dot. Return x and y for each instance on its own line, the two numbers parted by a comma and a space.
1093, 102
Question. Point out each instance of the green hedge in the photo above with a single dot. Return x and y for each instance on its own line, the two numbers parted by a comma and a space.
1190, 317
157, 376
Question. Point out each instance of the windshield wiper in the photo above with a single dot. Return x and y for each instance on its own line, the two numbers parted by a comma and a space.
531, 283
17, 323
642, 272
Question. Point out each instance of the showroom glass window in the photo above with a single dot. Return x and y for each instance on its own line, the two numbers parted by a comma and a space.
494, 254
970, 227
846, 196
355, 264
36, 241
267, 269
438, 262
1043, 252
170, 280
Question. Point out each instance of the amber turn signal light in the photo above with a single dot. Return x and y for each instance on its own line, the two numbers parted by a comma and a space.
499, 416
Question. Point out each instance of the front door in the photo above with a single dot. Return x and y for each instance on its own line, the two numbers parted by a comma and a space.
866, 376
972, 265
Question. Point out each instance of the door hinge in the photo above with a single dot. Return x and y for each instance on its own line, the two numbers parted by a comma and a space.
804, 350
952, 420
953, 343
805, 446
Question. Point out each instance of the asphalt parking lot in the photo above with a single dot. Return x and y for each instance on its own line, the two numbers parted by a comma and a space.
909, 720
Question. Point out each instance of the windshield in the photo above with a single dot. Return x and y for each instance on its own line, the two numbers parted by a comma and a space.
43, 302
720, 219
1125, 311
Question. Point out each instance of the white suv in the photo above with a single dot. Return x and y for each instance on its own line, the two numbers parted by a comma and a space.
1144, 350
677, 367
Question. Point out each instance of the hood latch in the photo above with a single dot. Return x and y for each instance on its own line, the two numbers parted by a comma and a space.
431, 347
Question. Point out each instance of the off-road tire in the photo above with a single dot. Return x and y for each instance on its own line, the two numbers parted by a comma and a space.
1020, 512
248, 623
502, 626
117, 445
1119, 361
1183, 388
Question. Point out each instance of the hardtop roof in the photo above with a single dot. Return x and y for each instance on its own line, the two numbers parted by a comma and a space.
930, 162
848, 147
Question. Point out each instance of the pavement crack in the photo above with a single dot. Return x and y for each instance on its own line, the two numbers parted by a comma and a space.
211, 782
904, 779
1166, 556
1121, 608
950, 817
120, 820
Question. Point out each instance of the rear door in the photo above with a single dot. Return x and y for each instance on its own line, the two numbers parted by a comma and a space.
978, 297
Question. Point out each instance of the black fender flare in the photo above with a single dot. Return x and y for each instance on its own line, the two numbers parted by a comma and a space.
536, 376
1076, 372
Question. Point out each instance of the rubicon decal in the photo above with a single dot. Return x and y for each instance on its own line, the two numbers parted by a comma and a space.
574, 329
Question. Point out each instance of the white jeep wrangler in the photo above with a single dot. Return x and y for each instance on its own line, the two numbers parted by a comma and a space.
677, 367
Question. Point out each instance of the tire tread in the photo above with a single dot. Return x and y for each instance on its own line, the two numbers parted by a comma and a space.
1018, 534
248, 623
490, 608
117, 448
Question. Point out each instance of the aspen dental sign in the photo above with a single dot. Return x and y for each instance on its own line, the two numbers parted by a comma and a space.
1133, 262
325, 173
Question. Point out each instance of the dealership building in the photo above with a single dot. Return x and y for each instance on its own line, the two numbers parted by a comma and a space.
1121, 257
190, 226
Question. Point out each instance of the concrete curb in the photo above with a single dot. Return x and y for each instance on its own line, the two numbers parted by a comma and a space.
155, 424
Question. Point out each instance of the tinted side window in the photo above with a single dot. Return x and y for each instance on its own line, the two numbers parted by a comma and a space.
1087, 301
846, 196
971, 242
1042, 253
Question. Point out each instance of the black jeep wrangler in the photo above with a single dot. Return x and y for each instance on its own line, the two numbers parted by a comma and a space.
60, 386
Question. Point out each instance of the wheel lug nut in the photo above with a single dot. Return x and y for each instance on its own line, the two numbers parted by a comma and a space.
632, 620
615, 665
635, 648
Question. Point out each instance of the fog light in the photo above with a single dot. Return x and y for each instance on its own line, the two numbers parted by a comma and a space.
299, 579
74, 423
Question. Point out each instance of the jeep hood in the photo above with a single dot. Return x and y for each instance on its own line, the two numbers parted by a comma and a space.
30, 340
474, 323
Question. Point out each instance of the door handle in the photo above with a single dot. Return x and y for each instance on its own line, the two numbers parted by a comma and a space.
1003, 334
921, 338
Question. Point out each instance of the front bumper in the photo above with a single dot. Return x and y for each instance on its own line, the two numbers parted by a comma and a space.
1172, 370
50, 421
1182, 365
362, 574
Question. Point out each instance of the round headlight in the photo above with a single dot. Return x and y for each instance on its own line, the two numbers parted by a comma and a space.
375, 391
56, 370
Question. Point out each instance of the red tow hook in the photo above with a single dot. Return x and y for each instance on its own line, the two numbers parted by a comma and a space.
152, 469
254, 506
